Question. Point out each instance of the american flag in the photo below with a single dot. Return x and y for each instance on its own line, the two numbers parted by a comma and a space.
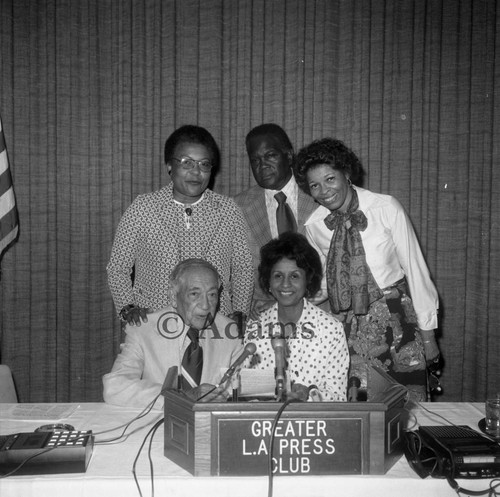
9, 225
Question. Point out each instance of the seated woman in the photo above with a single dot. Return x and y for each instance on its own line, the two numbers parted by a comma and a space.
317, 349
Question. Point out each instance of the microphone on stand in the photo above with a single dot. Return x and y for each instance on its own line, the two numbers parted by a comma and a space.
250, 349
279, 347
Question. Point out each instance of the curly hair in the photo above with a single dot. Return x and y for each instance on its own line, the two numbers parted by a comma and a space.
292, 246
190, 133
326, 151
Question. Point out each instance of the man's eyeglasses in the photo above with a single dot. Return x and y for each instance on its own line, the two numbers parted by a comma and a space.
205, 165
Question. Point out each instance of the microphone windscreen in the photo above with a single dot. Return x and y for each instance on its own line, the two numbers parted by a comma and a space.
251, 348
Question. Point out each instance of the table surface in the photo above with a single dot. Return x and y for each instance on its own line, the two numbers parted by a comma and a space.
110, 469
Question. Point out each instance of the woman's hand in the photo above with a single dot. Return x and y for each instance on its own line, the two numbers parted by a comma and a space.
133, 315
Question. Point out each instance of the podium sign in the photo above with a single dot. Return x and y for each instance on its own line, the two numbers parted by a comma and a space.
301, 446
311, 438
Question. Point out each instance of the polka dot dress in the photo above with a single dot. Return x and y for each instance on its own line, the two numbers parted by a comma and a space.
318, 353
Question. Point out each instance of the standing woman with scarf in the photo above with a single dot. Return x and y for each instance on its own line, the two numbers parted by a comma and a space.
377, 281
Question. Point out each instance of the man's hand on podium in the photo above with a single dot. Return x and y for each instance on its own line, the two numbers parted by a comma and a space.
217, 395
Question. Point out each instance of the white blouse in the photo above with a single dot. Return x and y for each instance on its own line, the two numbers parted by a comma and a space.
391, 247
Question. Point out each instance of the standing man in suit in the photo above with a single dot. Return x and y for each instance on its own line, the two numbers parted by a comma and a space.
271, 156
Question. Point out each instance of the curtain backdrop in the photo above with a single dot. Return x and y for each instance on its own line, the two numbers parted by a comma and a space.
90, 89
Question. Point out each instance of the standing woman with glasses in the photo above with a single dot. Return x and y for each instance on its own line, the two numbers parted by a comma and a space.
182, 220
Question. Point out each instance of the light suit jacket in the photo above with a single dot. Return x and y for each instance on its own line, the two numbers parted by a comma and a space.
153, 347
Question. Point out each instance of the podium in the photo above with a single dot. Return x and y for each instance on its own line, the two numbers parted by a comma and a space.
311, 438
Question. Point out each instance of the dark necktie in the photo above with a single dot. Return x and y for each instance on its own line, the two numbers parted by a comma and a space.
192, 361
284, 215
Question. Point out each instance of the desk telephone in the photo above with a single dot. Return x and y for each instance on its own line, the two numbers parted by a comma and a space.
44, 452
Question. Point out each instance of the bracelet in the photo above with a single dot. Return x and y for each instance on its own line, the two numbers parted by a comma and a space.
427, 341
124, 312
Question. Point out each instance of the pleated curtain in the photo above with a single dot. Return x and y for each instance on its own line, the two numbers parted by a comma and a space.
90, 90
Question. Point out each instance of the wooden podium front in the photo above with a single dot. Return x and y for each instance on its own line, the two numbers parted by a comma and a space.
312, 438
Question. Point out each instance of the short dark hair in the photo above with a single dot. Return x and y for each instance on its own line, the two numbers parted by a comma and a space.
326, 151
292, 246
273, 130
190, 133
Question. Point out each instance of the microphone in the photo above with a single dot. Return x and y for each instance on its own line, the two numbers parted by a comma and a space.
188, 211
352, 389
279, 347
249, 349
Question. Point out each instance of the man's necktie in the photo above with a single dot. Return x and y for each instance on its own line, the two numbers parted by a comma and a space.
192, 362
284, 215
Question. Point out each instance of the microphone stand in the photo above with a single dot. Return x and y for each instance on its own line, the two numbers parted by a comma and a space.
280, 350
280, 389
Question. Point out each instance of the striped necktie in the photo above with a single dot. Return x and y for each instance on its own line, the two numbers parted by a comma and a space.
192, 361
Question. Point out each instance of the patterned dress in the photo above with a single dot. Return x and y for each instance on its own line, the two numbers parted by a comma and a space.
155, 234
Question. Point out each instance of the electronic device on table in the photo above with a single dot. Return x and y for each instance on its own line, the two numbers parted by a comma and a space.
44, 452
452, 452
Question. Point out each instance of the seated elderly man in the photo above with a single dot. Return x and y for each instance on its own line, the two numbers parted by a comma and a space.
190, 335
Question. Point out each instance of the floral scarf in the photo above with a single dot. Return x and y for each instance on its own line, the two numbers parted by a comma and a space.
349, 280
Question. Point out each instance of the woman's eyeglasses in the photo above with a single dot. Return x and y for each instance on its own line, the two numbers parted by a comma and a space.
205, 165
